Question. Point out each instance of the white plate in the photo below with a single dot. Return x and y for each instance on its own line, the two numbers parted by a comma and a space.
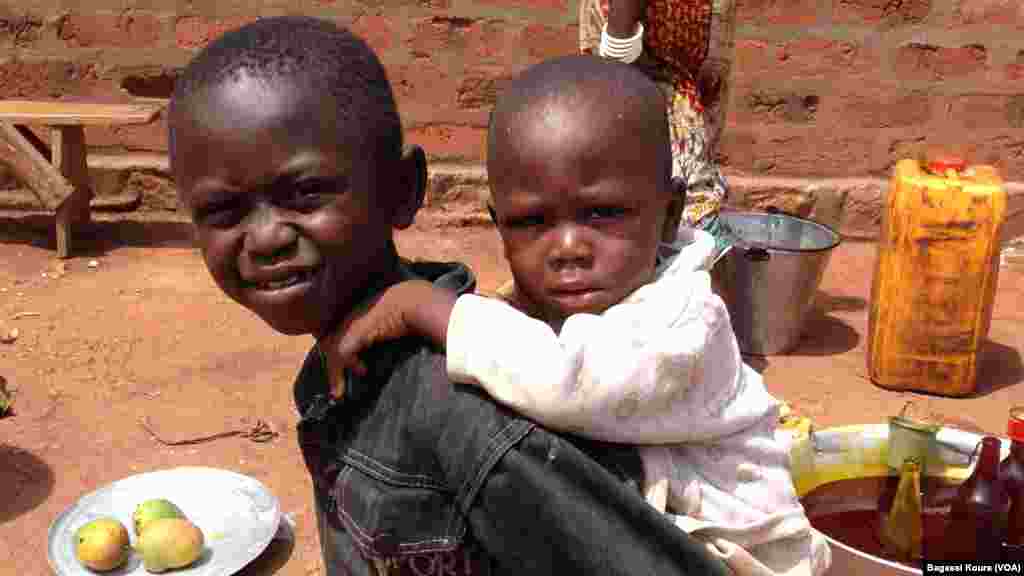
237, 514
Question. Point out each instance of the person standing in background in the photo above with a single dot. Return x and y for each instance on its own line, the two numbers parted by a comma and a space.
686, 47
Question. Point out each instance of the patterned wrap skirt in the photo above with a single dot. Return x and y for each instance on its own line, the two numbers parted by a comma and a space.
688, 52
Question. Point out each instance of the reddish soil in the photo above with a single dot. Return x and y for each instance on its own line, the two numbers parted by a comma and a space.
147, 333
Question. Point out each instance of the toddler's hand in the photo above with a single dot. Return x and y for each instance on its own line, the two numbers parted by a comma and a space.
381, 318
412, 307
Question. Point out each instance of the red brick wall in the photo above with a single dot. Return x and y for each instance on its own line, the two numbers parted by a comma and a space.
846, 87
822, 87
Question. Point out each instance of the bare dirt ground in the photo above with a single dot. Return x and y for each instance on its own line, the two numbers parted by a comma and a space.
145, 333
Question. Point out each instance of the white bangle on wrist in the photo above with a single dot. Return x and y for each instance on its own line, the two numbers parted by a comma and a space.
625, 50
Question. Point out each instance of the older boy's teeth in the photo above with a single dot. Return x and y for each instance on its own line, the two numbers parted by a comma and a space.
283, 283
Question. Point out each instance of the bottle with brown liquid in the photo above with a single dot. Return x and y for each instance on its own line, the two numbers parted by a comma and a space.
1011, 471
975, 529
902, 529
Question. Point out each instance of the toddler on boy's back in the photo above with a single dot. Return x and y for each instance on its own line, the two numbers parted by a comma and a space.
610, 333
286, 149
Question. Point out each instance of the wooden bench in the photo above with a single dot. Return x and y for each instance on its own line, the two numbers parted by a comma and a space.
58, 174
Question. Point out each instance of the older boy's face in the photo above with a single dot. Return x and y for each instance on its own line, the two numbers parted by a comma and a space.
284, 213
580, 209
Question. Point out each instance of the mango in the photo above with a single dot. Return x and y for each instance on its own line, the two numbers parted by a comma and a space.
151, 510
169, 543
102, 544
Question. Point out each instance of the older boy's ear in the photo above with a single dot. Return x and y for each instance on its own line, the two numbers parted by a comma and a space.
414, 185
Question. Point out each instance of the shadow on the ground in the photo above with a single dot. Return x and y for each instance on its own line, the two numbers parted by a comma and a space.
276, 555
999, 366
825, 335
26, 480
826, 303
99, 236
1013, 226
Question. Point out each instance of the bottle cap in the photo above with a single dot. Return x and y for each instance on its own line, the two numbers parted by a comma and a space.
1015, 426
940, 163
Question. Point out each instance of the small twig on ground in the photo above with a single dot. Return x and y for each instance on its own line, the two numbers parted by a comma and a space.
21, 315
258, 432
6, 397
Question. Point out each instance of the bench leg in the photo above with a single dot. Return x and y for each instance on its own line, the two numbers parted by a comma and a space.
68, 156
70, 214
32, 164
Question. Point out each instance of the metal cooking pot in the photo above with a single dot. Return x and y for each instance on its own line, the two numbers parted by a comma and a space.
769, 275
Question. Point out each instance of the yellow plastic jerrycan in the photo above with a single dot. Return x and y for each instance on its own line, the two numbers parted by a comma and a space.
935, 276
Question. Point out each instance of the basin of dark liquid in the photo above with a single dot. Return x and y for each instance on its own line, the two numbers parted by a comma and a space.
851, 511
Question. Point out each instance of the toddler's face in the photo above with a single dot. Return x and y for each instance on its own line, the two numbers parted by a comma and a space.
283, 210
580, 211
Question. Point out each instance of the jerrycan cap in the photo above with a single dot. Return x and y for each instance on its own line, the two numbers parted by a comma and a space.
939, 162
1015, 426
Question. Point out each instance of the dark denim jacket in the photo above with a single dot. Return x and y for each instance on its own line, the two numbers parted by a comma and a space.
415, 475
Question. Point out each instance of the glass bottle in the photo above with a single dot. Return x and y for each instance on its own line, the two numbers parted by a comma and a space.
902, 529
975, 529
1011, 471
1014, 552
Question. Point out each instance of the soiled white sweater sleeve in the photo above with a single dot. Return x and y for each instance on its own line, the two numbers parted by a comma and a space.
661, 367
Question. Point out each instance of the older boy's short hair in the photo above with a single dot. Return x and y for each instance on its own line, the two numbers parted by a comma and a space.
310, 52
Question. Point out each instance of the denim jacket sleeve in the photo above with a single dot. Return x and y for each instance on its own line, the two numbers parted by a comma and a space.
549, 507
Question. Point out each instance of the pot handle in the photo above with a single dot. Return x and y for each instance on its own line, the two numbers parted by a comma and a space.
757, 254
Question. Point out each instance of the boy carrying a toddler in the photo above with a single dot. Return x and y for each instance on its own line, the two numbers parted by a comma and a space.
286, 149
